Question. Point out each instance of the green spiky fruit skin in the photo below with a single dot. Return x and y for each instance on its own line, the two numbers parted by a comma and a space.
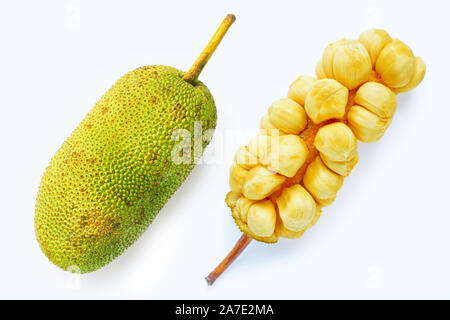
110, 178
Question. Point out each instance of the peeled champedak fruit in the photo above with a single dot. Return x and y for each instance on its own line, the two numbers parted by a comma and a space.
308, 141
353, 97
119, 167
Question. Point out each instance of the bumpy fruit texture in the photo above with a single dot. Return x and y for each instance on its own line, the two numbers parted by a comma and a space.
302, 165
110, 178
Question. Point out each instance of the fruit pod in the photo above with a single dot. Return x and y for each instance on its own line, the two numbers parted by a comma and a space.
118, 168
303, 165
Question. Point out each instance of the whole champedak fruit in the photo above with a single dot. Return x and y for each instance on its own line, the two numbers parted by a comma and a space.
119, 167
115, 172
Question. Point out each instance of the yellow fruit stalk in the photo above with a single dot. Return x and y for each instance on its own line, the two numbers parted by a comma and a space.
307, 144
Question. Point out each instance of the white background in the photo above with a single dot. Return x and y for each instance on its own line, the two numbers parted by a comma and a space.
386, 236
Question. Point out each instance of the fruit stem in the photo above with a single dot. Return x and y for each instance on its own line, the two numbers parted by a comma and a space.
193, 73
242, 243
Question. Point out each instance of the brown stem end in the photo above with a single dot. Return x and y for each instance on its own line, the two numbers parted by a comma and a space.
242, 243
